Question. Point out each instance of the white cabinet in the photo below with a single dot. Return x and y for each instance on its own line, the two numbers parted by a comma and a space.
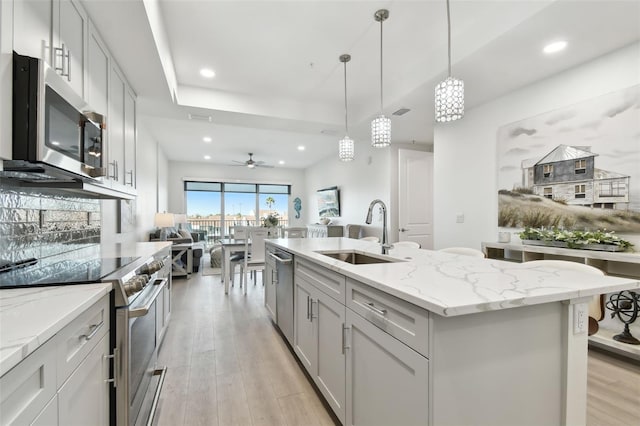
121, 129
318, 341
64, 381
163, 311
386, 381
351, 343
97, 72
270, 282
84, 397
54, 31
32, 20
69, 31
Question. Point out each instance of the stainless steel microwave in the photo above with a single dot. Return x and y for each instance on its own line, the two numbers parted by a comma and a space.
54, 130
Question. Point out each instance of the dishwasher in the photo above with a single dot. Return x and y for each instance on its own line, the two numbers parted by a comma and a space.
284, 292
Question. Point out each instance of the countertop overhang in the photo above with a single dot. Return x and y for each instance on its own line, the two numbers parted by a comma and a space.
449, 284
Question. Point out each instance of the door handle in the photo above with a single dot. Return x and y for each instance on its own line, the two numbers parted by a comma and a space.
344, 338
403, 230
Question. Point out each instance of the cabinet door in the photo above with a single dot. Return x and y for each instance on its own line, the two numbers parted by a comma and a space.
129, 166
305, 341
98, 72
84, 398
382, 369
115, 127
329, 318
49, 415
270, 279
32, 21
69, 36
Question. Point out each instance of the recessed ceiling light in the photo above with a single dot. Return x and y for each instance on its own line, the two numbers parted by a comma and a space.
554, 47
206, 139
55, 143
207, 157
300, 147
281, 162
207, 73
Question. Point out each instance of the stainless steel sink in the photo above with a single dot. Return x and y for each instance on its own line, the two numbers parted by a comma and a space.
357, 258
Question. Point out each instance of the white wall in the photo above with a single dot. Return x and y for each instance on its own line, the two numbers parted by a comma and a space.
181, 171
465, 151
360, 181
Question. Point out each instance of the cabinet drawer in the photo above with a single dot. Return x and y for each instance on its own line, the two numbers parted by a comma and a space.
28, 387
327, 281
76, 340
403, 320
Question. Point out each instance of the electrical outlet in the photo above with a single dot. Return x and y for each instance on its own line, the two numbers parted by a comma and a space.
459, 217
580, 318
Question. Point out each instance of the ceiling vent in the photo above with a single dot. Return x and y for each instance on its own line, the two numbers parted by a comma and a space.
198, 117
401, 111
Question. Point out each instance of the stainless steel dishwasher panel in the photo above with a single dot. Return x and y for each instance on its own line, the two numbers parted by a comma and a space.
284, 292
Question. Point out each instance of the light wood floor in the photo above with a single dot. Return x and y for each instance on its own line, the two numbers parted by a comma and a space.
227, 365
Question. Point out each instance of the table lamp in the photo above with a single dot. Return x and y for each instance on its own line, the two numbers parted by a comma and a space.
163, 221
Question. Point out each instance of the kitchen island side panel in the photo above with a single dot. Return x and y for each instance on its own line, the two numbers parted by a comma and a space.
498, 368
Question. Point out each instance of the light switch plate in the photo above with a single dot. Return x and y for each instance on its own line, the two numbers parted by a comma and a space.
459, 217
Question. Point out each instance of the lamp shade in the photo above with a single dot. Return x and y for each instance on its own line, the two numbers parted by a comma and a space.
164, 220
180, 218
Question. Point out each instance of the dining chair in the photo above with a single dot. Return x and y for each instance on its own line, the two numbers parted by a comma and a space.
596, 305
254, 256
406, 244
465, 251
239, 232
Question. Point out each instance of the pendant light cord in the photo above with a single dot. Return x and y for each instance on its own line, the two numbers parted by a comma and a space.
346, 121
381, 21
449, 36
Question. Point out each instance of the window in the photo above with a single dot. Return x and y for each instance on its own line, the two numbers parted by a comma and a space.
581, 166
548, 192
547, 170
580, 191
213, 207
612, 189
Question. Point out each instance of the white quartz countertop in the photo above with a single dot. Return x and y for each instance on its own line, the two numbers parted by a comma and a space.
31, 316
449, 284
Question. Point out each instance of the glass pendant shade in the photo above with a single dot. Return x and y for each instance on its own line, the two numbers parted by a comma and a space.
449, 100
381, 132
346, 149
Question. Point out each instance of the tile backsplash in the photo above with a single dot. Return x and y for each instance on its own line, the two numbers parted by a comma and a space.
38, 225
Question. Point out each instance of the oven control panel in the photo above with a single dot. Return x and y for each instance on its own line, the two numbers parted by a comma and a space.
141, 277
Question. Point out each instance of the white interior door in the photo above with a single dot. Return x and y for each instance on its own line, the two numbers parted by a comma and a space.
415, 197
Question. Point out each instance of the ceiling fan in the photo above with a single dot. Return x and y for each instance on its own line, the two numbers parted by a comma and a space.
250, 163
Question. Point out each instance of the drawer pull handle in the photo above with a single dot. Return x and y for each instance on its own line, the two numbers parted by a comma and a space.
376, 309
344, 338
93, 329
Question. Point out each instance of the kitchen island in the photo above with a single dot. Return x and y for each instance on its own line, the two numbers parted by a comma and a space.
436, 338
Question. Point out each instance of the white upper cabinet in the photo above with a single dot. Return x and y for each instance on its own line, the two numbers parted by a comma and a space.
97, 72
69, 37
129, 164
32, 21
115, 126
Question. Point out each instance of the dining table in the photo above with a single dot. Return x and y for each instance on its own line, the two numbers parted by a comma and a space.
229, 246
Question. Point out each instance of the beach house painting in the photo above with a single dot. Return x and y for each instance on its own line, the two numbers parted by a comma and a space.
577, 167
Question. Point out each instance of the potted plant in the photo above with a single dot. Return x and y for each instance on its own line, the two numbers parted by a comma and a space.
271, 220
588, 240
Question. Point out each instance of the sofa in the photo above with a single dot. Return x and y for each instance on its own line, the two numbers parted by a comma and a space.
181, 236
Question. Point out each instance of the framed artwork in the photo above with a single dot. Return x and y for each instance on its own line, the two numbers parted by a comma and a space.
573, 168
126, 216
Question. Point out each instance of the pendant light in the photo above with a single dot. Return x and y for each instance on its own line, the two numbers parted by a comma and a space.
346, 146
450, 92
381, 125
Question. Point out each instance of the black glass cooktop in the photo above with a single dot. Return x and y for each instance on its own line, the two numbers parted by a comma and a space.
63, 272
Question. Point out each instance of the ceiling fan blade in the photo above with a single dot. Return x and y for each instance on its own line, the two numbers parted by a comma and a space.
266, 166
239, 162
259, 163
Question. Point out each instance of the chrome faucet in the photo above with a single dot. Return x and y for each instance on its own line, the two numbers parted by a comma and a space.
385, 239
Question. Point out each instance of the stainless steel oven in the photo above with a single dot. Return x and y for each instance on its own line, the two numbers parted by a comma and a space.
136, 346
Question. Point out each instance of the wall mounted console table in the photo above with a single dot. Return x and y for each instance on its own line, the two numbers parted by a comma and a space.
620, 264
